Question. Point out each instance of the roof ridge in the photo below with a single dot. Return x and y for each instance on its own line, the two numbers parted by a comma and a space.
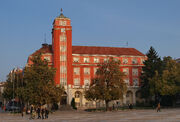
102, 46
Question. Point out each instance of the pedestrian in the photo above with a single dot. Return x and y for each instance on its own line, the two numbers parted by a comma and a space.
39, 113
46, 113
42, 113
158, 107
23, 110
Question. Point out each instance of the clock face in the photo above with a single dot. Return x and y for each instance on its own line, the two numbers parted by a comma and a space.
62, 29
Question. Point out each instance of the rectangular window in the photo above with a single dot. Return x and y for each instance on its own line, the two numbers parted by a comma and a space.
86, 81
87, 71
62, 57
63, 48
125, 61
63, 38
126, 71
86, 60
76, 70
135, 82
142, 61
76, 59
63, 70
135, 72
105, 60
96, 60
47, 58
116, 59
76, 81
63, 81
63, 30
134, 61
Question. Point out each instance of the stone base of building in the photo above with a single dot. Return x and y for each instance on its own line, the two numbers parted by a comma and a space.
132, 96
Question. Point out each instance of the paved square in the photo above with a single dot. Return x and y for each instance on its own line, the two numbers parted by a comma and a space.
166, 115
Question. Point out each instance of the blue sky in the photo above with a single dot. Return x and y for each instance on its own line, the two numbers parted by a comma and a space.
141, 23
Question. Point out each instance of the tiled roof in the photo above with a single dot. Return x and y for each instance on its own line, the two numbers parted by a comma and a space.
105, 51
92, 50
44, 49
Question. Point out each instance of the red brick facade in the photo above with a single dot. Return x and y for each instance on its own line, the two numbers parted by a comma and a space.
76, 65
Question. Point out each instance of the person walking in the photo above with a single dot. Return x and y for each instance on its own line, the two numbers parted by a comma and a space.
158, 107
42, 113
39, 112
46, 113
23, 111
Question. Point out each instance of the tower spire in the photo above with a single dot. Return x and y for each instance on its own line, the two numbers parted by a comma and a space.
61, 15
61, 10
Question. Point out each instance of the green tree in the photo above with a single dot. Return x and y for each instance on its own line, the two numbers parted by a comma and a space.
170, 77
170, 80
108, 84
152, 69
39, 83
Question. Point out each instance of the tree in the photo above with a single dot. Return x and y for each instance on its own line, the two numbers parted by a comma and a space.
170, 80
170, 77
151, 70
108, 84
39, 86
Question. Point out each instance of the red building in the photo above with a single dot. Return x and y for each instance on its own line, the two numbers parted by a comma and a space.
77, 65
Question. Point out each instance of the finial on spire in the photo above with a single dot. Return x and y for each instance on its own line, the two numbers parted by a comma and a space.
61, 10
45, 38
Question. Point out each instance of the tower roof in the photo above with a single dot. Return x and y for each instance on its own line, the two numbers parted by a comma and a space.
62, 15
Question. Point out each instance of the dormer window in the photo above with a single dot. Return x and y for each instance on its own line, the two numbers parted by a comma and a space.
75, 59
86, 60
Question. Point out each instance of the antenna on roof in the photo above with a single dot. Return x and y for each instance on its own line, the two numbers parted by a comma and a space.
127, 43
45, 38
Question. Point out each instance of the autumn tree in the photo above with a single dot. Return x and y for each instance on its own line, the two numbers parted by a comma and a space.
39, 83
108, 84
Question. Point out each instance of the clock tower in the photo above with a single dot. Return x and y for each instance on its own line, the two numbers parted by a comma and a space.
62, 50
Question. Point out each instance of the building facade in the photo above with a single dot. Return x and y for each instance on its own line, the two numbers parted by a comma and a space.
77, 65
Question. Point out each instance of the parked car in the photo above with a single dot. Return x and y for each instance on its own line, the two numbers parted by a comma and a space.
13, 106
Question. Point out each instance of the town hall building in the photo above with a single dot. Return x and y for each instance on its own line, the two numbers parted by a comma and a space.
77, 65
